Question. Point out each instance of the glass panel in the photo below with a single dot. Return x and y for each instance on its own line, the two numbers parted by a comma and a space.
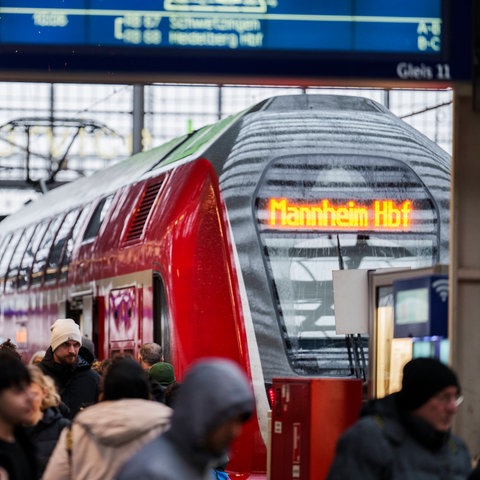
61, 239
28, 258
5, 259
316, 215
70, 242
13, 269
97, 218
38, 267
301, 266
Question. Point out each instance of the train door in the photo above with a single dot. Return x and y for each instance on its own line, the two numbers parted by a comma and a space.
122, 321
161, 333
89, 312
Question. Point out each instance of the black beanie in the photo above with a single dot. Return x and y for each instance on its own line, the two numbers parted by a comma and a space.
422, 379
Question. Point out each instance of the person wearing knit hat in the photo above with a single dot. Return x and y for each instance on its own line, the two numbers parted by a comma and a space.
407, 434
422, 379
69, 364
64, 330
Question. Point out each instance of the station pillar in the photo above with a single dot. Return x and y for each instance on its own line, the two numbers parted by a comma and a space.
464, 314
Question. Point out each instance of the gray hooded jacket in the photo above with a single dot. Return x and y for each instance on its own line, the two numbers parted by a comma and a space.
212, 392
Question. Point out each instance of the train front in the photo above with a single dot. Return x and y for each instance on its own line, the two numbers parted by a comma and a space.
313, 184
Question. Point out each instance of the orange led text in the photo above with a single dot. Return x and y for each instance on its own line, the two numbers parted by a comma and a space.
380, 214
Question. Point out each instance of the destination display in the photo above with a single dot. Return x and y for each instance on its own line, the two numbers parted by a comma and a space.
407, 40
326, 215
409, 26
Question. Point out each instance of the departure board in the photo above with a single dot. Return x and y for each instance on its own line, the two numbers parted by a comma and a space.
181, 31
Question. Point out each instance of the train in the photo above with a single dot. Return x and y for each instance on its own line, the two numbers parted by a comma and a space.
222, 243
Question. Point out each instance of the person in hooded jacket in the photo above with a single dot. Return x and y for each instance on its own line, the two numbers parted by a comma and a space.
105, 435
213, 402
70, 366
406, 435
46, 420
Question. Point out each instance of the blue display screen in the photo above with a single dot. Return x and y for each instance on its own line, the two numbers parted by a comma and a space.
342, 25
400, 37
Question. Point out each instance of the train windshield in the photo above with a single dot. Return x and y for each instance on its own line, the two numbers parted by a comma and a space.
323, 217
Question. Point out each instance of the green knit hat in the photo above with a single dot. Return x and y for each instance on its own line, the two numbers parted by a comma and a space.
163, 373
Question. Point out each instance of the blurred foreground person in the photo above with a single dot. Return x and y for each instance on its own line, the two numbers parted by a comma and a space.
105, 435
213, 402
46, 420
406, 435
69, 364
17, 454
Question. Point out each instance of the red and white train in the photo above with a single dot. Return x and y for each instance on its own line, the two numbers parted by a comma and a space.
222, 242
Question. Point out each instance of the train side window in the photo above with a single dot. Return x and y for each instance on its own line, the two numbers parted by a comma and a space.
59, 245
38, 266
8, 246
71, 242
12, 275
28, 258
97, 218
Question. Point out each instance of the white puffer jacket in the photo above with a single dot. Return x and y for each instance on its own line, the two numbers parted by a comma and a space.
104, 436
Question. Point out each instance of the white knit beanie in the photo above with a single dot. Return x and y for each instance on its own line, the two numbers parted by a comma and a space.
63, 330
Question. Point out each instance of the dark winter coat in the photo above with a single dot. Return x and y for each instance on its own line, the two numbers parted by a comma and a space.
18, 459
78, 385
388, 444
211, 393
475, 475
45, 435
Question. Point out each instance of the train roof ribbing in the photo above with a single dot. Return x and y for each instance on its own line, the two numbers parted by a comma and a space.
326, 116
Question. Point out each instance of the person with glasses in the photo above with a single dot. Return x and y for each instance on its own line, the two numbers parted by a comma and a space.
407, 435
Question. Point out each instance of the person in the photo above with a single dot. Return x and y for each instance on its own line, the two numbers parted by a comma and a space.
163, 373
9, 347
149, 354
36, 357
17, 453
69, 364
104, 435
46, 420
161, 377
89, 345
407, 434
213, 402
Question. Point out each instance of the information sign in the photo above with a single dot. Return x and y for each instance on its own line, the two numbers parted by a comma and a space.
405, 40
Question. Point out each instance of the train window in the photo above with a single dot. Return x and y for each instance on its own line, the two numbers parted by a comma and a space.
27, 261
59, 246
17, 257
70, 243
41, 256
7, 254
331, 215
97, 218
4, 260
3, 244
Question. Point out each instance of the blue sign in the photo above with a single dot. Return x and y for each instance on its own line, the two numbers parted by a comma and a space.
257, 37
421, 307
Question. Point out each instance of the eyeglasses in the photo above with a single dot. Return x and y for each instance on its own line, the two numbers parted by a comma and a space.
447, 398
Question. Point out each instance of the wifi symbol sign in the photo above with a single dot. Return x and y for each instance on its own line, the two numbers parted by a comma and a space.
441, 287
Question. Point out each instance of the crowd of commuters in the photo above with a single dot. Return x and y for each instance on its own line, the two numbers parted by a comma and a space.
66, 416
